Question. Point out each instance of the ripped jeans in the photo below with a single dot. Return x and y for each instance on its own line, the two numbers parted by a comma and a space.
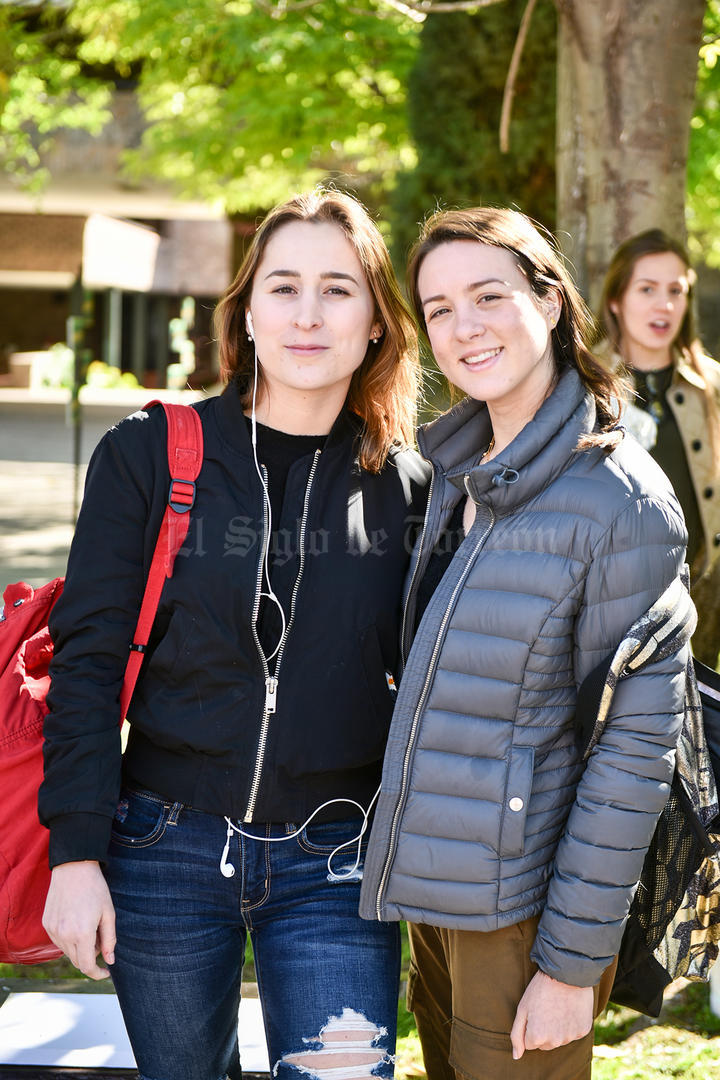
327, 980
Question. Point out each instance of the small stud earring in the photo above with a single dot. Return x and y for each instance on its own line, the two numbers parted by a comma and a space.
374, 340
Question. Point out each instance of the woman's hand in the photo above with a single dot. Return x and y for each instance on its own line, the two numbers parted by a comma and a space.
79, 916
551, 1014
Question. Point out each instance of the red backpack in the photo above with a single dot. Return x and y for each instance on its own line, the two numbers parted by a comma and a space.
25, 654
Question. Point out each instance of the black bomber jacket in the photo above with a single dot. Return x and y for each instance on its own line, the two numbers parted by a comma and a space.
202, 729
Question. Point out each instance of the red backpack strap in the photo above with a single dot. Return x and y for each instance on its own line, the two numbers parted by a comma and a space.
185, 455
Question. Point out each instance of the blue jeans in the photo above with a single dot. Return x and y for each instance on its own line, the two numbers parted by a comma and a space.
327, 980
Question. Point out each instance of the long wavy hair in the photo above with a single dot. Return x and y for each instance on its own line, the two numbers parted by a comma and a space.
687, 344
539, 259
384, 389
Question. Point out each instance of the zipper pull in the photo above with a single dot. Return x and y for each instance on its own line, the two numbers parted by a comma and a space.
270, 694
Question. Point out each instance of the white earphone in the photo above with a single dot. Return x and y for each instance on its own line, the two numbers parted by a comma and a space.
228, 870
249, 325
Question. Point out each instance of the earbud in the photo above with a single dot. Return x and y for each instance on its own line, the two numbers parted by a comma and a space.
250, 327
226, 868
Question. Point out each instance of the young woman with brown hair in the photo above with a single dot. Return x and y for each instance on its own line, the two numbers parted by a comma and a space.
547, 535
260, 717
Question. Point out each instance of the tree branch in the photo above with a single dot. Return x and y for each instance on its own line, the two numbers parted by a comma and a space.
414, 9
509, 91
404, 9
430, 7
279, 9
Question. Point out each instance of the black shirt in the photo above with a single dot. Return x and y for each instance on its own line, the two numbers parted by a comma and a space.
278, 451
651, 388
447, 544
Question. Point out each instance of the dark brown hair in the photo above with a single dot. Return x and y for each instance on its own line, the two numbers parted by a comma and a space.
687, 344
384, 389
617, 279
540, 261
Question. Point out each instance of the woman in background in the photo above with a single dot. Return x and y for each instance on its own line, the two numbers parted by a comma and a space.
646, 317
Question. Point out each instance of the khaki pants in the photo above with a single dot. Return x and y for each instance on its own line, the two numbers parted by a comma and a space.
464, 989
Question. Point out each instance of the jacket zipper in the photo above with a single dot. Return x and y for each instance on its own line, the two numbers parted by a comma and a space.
416, 719
403, 651
271, 681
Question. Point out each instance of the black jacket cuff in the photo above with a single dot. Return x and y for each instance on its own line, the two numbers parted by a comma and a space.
79, 837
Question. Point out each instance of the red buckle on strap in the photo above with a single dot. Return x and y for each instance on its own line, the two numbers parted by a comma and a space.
181, 495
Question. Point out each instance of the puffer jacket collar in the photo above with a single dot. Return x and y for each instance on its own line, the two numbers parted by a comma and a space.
455, 442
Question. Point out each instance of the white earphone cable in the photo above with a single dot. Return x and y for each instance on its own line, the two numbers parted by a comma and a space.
270, 595
228, 870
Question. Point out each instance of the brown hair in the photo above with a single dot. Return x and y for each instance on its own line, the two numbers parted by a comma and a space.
687, 344
384, 389
540, 261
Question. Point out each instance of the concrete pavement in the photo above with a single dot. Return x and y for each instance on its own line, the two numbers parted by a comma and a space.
37, 476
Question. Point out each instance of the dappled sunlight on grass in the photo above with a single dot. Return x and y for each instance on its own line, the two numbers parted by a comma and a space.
657, 1052
408, 1058
684, 1041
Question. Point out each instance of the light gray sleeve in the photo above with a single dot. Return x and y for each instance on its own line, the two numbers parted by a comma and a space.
626, 781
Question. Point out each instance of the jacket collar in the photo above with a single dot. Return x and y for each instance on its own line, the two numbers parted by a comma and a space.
231, 421
455, 443
683, 371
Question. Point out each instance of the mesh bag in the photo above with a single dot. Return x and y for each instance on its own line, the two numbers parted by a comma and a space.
673, 927
673, 857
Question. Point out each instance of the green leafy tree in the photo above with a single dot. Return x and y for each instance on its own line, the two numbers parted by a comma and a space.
247, 100
704, 160
455, 95
43, 88
243, 103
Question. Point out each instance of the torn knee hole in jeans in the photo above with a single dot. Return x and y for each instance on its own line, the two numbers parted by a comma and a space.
343, 1050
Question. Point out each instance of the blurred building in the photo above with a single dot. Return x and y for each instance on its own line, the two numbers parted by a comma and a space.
122, 257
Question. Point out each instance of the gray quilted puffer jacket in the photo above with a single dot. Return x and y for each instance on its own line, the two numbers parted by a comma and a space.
486, 816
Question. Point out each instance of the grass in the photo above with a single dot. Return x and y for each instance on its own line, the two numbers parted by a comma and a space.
54, 969
683, 1042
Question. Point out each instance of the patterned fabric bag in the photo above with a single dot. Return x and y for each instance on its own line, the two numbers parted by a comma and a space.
673, 927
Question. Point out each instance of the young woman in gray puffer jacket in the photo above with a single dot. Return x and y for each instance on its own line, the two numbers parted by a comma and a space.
548, 533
